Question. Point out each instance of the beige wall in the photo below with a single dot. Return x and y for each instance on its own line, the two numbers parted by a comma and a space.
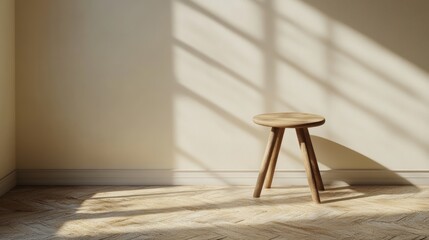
105, 84
7, 87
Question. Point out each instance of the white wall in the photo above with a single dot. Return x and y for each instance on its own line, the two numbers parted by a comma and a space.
7, 92
105, 84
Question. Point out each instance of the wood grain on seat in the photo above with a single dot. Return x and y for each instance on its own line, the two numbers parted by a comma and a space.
289, 120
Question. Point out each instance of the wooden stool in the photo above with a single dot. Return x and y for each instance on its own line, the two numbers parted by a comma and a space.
278, 122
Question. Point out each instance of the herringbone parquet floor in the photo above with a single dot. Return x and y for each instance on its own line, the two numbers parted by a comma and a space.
195, 212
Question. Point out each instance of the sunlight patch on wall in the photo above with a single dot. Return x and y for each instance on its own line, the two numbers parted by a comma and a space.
309, 18
230, 47
298, 47
387, 91
250, 15
216, 86
372, 98
218, 70
367, 93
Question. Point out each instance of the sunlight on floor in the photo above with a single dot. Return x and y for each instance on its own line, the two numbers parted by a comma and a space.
168, 212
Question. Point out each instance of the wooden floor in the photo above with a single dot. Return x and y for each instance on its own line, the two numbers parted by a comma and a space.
196, 212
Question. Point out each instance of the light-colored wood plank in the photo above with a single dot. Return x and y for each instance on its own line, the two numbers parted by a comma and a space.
213, 212
289, 120
275, 155
266, 162
307, 164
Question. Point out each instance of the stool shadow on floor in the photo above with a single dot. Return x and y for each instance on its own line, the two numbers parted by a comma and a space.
339, 157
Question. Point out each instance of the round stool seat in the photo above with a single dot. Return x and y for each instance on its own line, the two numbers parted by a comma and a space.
289, 120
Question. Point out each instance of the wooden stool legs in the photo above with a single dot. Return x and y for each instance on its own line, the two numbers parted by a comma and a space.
266, 161
305, 150
270, 160
313, 160
274, 156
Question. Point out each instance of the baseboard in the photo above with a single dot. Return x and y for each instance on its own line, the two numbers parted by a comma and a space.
227, 177
7, 183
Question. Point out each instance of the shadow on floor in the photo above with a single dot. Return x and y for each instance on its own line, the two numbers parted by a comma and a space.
360, 170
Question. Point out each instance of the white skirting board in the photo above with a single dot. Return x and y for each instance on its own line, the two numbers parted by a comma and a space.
7, 183
220, 177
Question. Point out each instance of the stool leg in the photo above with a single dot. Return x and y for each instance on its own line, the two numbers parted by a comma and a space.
305, 154
313, 160
275, 155
266, 161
